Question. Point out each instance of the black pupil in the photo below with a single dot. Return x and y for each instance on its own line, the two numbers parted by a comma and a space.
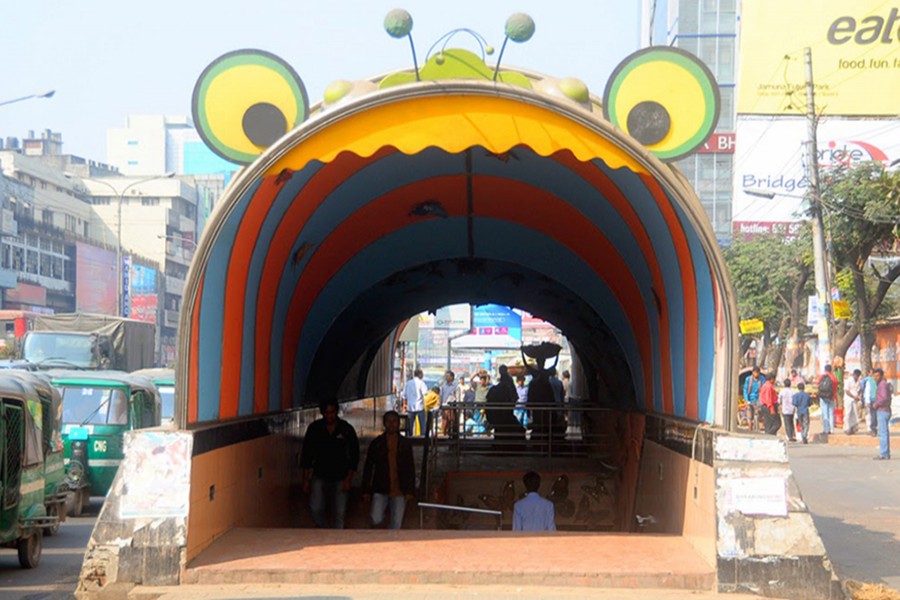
264, 123
648, 122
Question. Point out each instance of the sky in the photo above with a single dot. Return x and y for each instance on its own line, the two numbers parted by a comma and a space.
107, 59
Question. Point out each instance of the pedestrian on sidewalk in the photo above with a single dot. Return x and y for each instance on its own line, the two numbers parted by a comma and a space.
800, 400
389, 475
533, 513
882, 406
329, 461
827, 388
751, 395
851, 398
768, 400
786, 400
868, 398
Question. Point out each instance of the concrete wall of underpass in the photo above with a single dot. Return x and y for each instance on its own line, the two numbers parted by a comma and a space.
256, 482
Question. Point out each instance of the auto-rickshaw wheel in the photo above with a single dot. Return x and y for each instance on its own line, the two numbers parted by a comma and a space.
30, 549
53, 511
75, 503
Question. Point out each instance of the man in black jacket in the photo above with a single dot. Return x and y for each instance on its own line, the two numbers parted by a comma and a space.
389, 477
330, 459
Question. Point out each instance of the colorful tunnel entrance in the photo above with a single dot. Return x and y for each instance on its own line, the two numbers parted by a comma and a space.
407, 201
419, 197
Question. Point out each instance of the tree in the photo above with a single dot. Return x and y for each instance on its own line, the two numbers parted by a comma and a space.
862, 214
771, 275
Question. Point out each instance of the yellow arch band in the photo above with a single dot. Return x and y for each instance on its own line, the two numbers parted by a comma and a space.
454, 123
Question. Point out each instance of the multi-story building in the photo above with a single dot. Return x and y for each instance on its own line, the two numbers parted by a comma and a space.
154, 218
45, 218
153, 144
707, 29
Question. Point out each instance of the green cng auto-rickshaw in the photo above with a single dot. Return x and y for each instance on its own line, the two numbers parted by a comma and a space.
55, 484
23, 514
97, 409
164, 380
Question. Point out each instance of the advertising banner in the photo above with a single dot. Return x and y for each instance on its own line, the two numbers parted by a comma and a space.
494, 326
770, 159
95, 279
856, 67
126, 286
749, 326
144, 299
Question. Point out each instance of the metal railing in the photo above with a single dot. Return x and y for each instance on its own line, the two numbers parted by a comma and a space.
535, 429
481, 511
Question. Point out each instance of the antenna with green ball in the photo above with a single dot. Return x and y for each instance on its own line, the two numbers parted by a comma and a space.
519, 28
398, 23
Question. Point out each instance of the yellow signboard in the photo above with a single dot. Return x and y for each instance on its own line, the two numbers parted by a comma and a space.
752, 326
841, 309
855, 55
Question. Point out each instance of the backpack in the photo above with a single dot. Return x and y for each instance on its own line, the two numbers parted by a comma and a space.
826, 387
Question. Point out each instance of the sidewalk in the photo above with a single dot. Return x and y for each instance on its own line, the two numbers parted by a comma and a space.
416, 592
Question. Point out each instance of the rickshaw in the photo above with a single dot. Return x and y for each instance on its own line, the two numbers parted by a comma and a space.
164, 380
23, 514
97, 409
55, 486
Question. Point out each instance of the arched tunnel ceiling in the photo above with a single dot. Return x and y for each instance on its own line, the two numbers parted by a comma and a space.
316, 228
359, 330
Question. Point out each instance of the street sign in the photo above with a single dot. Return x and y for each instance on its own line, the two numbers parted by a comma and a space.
841, 309
752, 326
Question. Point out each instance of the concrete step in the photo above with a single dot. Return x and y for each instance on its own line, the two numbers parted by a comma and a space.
358, 557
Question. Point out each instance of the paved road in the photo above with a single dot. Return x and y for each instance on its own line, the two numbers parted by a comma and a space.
56, 576
855, 502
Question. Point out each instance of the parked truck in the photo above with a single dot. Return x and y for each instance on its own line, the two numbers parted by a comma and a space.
90, 341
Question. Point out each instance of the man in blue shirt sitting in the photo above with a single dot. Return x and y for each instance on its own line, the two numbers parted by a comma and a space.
533, 513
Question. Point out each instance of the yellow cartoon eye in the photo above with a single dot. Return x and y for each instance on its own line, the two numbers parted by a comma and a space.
665, 98
244, 101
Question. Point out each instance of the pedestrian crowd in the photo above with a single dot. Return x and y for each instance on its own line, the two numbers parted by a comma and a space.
474, 405
864, 401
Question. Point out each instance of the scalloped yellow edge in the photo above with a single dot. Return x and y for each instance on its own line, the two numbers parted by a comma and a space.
454, 123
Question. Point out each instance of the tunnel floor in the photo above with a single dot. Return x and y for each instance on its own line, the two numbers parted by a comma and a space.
246, 555
584, 552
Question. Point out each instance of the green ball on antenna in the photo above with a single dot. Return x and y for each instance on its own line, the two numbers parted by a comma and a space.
398, 23
519, 27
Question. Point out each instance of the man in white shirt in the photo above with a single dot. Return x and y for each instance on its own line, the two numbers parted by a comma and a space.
533, 513
449, 399
785, 399
414, 394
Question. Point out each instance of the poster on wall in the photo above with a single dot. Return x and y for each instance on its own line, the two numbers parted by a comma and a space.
770, 159
95, 279
856, 67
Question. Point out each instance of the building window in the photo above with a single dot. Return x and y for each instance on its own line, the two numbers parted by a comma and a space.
46, 270
99, 201
31, 262
132, 163
149, 201
47, 216
71, 224
132, 142
18, 258
56, 264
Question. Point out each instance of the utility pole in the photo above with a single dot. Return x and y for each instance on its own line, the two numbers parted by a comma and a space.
823, 292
